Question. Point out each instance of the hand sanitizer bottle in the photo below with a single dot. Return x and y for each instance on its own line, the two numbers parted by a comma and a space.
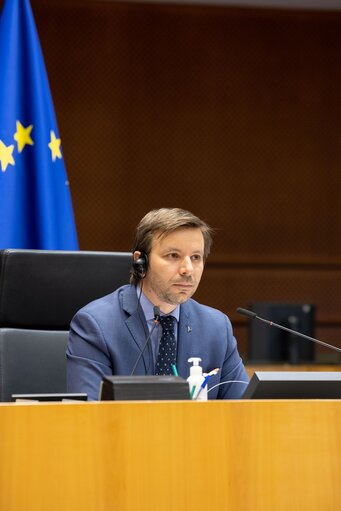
195, 380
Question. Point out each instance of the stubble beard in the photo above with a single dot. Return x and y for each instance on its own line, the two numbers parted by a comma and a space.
169, 297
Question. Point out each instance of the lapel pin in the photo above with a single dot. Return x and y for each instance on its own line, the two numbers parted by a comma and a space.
189, 329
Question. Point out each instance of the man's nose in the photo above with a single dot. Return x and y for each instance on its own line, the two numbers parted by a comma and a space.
186, 266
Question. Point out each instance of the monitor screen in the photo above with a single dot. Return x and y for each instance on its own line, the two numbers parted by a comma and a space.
268, 344
294, 385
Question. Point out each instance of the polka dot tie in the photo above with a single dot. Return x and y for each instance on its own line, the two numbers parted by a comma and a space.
167, 347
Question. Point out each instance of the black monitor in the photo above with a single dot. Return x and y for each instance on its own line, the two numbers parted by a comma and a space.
268, 344
294, 385
145, 388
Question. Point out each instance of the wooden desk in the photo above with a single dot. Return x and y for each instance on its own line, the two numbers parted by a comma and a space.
129, 456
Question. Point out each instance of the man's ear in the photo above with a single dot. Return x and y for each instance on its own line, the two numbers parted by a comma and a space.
140, 264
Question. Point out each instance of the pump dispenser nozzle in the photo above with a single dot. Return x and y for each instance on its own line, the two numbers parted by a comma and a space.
195, 369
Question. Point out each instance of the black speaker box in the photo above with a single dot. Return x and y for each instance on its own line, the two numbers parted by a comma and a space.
145, 388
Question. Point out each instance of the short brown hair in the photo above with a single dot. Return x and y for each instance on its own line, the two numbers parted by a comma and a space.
164, 221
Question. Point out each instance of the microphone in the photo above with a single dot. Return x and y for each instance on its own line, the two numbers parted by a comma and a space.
253, 315
157, 314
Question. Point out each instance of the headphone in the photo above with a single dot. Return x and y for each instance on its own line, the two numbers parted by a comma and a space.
140, 266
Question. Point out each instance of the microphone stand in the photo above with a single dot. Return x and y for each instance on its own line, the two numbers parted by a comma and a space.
253, 315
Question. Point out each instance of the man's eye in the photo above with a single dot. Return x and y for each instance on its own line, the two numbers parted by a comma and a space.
172, 255
196, 257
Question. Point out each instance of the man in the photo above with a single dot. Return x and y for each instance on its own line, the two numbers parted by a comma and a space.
108, 336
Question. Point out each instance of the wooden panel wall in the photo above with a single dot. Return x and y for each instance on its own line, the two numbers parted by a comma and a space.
234, 114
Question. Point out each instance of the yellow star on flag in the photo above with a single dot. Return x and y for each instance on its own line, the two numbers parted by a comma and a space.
22, 136
54, 145
6, 156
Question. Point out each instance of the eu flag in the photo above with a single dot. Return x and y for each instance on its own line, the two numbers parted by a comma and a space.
35, 202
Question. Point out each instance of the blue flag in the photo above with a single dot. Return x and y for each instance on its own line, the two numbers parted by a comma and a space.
35, 202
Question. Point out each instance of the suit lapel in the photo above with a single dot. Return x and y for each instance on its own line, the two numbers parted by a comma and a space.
186, 340
138, 328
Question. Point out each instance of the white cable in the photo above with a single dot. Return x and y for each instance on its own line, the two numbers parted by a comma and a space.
224, 382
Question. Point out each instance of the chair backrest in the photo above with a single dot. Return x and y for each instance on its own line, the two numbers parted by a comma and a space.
40, 291
43, 289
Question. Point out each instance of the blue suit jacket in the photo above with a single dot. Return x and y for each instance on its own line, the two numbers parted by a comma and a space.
107, 336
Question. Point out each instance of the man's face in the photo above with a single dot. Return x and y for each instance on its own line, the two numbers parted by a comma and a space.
176, 263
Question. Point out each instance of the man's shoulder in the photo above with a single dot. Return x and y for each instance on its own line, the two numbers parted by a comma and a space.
194, 307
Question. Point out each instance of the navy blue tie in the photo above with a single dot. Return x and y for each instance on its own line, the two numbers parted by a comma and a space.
167, 347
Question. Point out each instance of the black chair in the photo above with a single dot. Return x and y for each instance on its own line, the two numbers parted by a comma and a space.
40, 291
32, 361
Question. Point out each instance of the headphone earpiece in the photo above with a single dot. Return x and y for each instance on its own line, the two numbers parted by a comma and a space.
140, 266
